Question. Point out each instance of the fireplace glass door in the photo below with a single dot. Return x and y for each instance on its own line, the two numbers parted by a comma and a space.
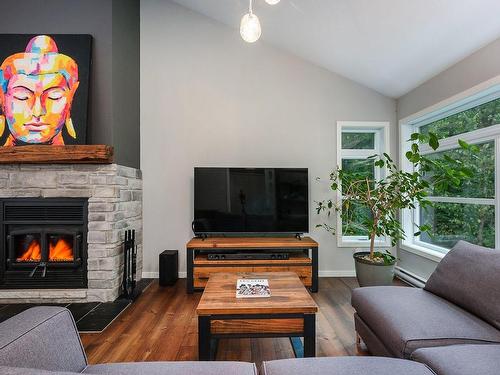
56, 247
27, 247
61, 247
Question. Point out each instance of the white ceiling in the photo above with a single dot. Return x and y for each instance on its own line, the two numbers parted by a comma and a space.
391, 46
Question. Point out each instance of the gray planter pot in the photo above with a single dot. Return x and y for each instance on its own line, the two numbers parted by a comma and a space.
372, 274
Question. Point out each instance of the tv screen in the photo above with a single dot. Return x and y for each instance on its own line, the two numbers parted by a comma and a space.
250, 200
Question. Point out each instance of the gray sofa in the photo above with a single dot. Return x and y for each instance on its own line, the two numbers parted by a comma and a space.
44, 341
458, 305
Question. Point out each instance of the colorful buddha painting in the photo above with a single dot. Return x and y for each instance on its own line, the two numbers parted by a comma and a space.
38, 88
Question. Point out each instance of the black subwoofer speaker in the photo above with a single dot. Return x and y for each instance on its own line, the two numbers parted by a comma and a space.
169, 267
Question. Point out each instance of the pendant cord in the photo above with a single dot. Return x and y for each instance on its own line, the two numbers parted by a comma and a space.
250, 10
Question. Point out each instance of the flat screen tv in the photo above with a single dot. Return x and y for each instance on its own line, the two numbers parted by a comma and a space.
250, 200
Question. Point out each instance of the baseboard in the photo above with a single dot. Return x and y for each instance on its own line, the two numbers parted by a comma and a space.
346, 273
155, 275
409, 277
341, 273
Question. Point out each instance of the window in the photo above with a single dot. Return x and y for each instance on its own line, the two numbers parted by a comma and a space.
356, 141
471, 212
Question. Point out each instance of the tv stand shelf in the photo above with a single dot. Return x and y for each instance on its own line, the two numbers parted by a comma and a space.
303, 258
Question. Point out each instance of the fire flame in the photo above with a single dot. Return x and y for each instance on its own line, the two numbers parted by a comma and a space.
32, 253
60, 252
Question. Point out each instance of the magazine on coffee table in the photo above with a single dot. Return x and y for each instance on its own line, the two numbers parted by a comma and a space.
252, 288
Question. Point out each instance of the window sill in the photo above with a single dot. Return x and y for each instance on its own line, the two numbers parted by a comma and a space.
423, 252
362, 244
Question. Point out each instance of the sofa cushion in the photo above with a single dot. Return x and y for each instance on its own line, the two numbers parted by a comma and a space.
406, 319
173, 368
469, 277
344, 366
461, 359
31, 371
42, 337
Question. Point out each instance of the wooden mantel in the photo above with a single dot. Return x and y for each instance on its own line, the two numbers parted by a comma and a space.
46, 154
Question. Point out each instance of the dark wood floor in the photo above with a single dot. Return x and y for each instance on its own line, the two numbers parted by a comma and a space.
162, 326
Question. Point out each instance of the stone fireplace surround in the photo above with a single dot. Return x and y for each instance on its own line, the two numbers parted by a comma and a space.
114, 194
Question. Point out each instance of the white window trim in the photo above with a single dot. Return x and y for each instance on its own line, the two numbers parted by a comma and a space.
383, 128
463, 200
475, 96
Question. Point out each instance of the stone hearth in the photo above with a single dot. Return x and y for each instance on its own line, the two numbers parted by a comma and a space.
115, 205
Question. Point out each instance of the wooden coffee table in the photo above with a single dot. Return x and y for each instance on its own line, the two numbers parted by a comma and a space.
289, 312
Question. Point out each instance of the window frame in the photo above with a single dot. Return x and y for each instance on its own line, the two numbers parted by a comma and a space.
381, 144
480, 94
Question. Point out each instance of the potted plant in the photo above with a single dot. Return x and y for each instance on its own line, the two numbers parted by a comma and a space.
383, 199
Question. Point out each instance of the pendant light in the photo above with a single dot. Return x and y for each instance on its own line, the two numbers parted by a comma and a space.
250, 29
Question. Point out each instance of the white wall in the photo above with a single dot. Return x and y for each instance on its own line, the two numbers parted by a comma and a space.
210, 99
475, 69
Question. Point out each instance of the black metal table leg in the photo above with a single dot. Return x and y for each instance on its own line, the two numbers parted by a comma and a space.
309, 335
189, 267
315, 279
204, 338
214, 346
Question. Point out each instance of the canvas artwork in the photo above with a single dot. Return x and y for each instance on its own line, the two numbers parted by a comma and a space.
44, 86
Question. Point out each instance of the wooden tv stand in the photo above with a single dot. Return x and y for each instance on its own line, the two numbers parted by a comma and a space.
303, 258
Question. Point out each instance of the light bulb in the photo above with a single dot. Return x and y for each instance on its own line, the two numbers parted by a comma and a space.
272, 2
250, 29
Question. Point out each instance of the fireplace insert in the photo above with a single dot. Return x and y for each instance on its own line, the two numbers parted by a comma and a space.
43, 243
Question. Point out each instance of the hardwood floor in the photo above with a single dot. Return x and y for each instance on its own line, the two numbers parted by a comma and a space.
162, 326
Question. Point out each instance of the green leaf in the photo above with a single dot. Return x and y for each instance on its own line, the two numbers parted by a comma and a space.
463, 144
414, 136
433, 141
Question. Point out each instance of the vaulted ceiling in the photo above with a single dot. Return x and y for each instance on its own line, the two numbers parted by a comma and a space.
391, 46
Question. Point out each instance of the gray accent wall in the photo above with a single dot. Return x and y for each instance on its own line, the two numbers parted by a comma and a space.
126, 75
111, 119
477, 68
210, 99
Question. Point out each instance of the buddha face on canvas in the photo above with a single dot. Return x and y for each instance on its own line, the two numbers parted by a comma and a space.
37, 90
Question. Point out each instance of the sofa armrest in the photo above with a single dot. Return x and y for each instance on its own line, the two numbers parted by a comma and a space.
43, 338
468, 277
